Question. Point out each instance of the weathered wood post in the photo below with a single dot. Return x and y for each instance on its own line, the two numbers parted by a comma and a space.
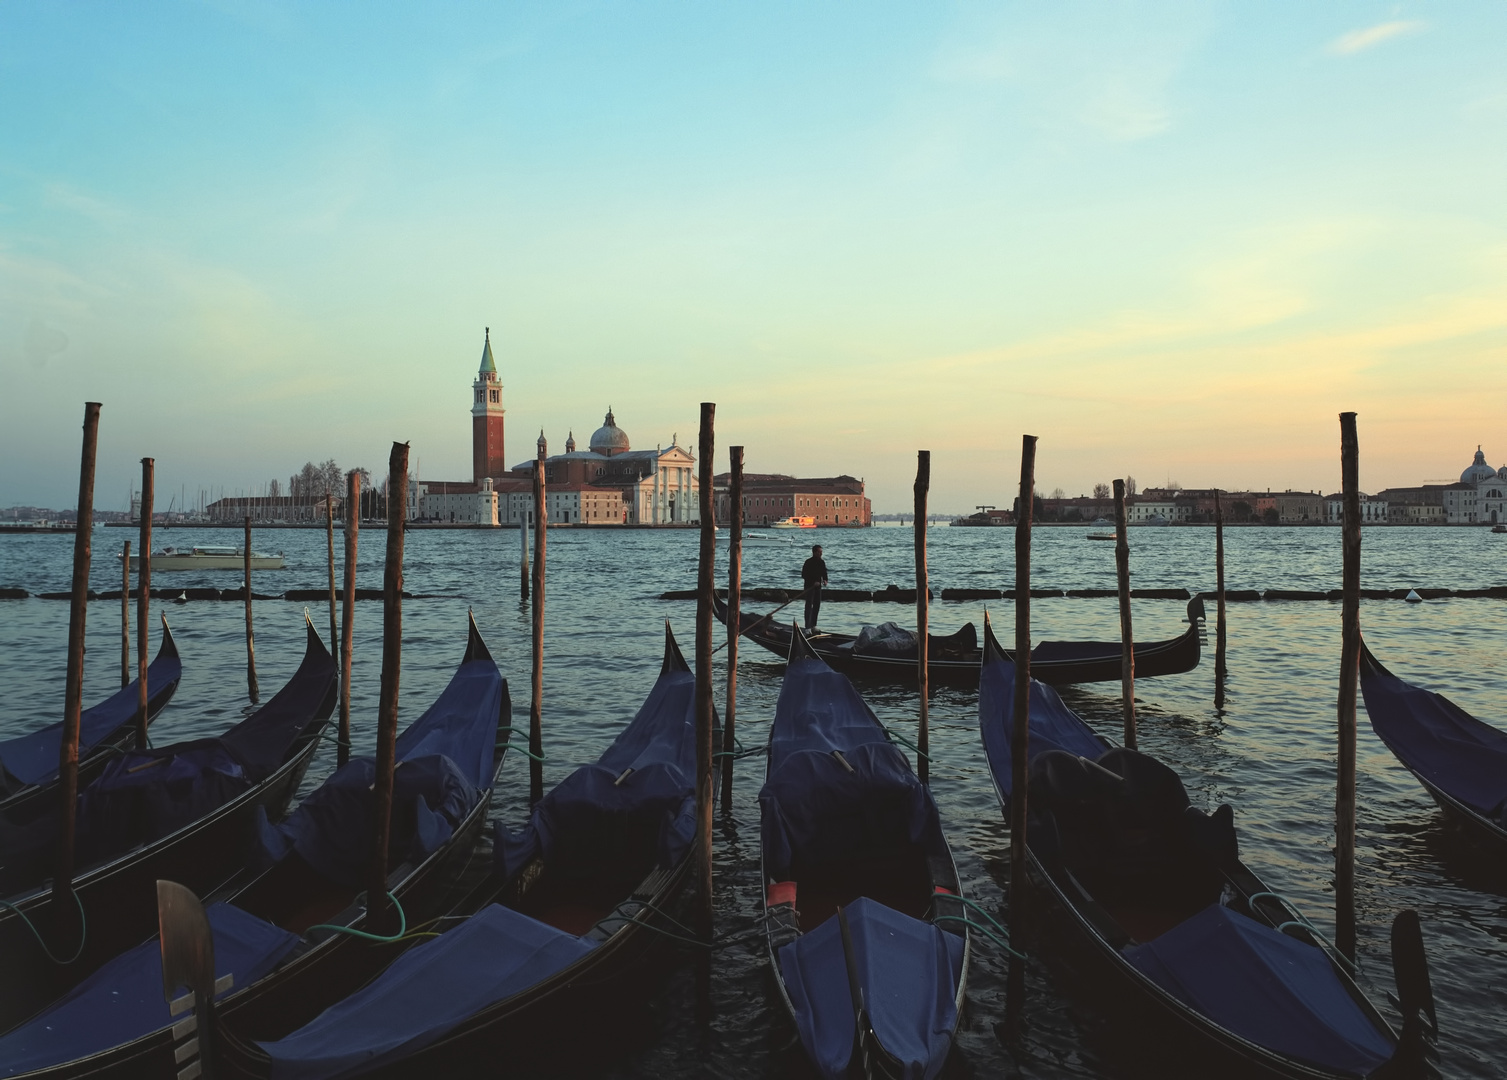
125, 616
535, 713
734, 609
392, 663
73, 693
923, 612
705, 710
144, 597
329, 535
352, 529
250, 640
1127, 637
1015, 991
1350, 643
1219, 632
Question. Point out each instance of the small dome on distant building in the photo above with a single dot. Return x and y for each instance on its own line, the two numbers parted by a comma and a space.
609, 439
543, 443
1478, 470
570, 443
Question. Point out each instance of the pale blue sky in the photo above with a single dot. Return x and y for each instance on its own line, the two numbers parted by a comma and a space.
1169, 239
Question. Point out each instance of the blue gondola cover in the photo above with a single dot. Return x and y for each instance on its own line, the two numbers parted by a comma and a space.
1264, 986
909, 971
123, 1000
1440, 741
33, 758
1053, 726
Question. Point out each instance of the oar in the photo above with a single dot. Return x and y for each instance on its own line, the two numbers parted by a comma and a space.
188, 959
1410, 966
860, 1065
744, 631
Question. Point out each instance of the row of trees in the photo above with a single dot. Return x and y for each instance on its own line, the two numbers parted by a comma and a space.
317, 481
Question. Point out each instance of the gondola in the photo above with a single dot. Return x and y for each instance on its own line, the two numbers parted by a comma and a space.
1460, 761
1153, 892
955, 659
185, 812
274, 927
578, 900
29, 763
864, 917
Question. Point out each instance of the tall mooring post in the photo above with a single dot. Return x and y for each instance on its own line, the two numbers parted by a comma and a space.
329, 535
1015, 990
125, 616
705, 709
251, 688
734, 608
348, 611
1219, 626
392, 666
144, 598
923, 619
1350, 644
535, 711
1127, 636
73, 690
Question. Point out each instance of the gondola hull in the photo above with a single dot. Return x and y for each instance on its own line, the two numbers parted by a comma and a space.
1100, 662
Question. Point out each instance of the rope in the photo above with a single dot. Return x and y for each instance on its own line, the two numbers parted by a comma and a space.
1301, 920
745, 631
982, 929
82, 938
901, 738
379, 938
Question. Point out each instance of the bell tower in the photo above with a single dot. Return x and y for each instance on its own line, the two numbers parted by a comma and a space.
487, 458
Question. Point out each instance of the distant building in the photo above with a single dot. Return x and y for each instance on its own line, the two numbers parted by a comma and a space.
1373, 510
768, 497
1299, 507
1480, 497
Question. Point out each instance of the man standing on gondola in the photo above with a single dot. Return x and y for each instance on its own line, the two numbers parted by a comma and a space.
814, 574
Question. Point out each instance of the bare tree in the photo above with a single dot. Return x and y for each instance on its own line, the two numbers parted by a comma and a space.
331, 478
1101, 491
1173, 485
1058, 493
1130, 488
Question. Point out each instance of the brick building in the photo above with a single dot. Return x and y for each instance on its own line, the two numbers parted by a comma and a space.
768, 497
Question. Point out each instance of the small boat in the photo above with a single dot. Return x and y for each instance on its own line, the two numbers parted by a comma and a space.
183, 812
955, 659
1179, 932
208, 558
1460, 761
1499, 528
794, 523
280, 933
864, 914
29, 763
567, 917
1103, 536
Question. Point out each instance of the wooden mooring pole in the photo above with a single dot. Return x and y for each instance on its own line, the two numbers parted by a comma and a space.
1127, 637
1020, 734
923, 613
734, 607
352, 529
329, 535
1219, 632
705, 710
1350, 643
523, 557
125, 616
251, 688
392, 663
535, 710
144, 597
73, 693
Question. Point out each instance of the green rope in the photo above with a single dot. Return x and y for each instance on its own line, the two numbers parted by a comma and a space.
982, 929
379, 938
1301, 920
979, 908
901, 738
529, 754
83, 931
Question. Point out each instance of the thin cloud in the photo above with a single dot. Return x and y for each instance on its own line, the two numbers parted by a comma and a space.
1360, 40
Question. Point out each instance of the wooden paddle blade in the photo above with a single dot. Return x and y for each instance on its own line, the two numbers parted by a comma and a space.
1410, 966
188, 945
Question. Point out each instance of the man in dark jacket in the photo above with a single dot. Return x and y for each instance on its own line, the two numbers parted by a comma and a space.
814, 574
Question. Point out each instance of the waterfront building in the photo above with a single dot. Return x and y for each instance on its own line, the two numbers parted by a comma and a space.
1299, 507
1373, 510
651, 487
1480, 496
768, 497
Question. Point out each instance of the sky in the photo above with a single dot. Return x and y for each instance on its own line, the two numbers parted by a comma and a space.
1172, 240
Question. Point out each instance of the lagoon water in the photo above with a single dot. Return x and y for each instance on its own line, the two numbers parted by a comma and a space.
1269, 752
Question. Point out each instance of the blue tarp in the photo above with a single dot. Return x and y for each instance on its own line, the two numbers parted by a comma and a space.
1053, 725
444, 764
1441, 742
589, 822
909, 971
33, 758
425, 993
1266, 987
123, 1001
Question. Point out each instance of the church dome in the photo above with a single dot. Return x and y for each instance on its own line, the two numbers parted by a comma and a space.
609, 439
1478, 470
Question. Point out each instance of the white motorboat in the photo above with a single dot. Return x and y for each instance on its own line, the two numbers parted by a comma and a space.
794, 523
209, 558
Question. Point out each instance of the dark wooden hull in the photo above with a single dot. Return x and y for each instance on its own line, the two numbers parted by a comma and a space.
1171, 657
119, 897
